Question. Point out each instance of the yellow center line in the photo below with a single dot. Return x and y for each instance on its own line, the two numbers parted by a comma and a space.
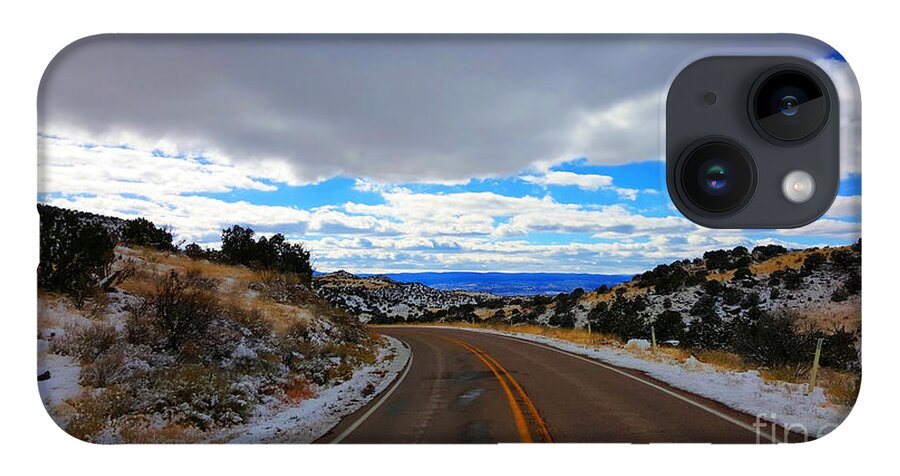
497, 369
521, 425
542, 426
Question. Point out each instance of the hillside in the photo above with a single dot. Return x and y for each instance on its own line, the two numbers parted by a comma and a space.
381, 299
819, 284
155, 346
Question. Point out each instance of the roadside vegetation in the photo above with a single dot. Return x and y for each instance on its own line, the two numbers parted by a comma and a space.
174, 346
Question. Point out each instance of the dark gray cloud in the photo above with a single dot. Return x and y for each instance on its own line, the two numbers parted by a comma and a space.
392, 108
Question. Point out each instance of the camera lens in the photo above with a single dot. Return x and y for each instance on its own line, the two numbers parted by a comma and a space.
789, 104
714, 176
717, 175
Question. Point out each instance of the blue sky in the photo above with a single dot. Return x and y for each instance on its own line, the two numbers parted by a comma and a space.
499, 158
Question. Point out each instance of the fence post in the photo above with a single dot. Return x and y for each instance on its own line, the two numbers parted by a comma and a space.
653, 338
589, 329
815, 367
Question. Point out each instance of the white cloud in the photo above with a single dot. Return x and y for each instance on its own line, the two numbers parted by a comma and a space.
612, 221
66, 166
845, 207
582, 181
589, 182
618, 133
827, 227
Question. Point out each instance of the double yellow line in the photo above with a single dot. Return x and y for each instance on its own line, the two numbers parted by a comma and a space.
516, 399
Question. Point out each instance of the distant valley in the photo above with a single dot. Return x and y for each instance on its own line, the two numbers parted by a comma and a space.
509, 284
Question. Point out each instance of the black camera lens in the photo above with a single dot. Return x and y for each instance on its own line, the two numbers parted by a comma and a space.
789, 104
717, 175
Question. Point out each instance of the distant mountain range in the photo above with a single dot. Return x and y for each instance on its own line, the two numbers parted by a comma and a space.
508, 284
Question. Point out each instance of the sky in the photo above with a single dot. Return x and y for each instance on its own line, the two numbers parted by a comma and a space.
394, 154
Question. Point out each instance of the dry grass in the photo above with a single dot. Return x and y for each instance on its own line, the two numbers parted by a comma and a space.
232, 284
298, 389
792, 259
630, 289
365, 283
137, 430
841, 388
48, 305
163, 261
721, 359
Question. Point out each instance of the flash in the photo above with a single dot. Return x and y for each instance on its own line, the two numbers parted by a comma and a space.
798, 186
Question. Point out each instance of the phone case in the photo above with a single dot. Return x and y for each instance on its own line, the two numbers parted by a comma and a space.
421, 239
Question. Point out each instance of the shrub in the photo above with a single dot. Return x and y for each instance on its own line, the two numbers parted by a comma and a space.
724, 260
713, 287
707, 329
782, 340
75, 255
696, 278
198, 395
665, 279
717, 260
743, 273
853, 284
623, 317
239, 247
792, 279
839, 350
669, 325
846, 260
93, 411
195, 251
177, 311
750, 300
107, 369
563, 312
765, 252
86, 342
840, 295
771, 339
731, 296
813, 261
143, 232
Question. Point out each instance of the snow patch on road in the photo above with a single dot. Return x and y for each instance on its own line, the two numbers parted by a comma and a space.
310, 419
781, 402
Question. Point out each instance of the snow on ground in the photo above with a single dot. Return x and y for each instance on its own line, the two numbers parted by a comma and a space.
308, 420
53, 317
780, 402
62, 384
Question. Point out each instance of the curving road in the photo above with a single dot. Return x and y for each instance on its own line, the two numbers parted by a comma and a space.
468, 387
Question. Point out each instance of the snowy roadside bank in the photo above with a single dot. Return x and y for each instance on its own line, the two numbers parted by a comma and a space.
780, 402
308, 420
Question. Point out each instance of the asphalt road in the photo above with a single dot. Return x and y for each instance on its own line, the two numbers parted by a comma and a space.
467, 387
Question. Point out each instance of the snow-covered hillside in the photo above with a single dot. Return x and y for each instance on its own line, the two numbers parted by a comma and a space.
380, 298
250, 350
